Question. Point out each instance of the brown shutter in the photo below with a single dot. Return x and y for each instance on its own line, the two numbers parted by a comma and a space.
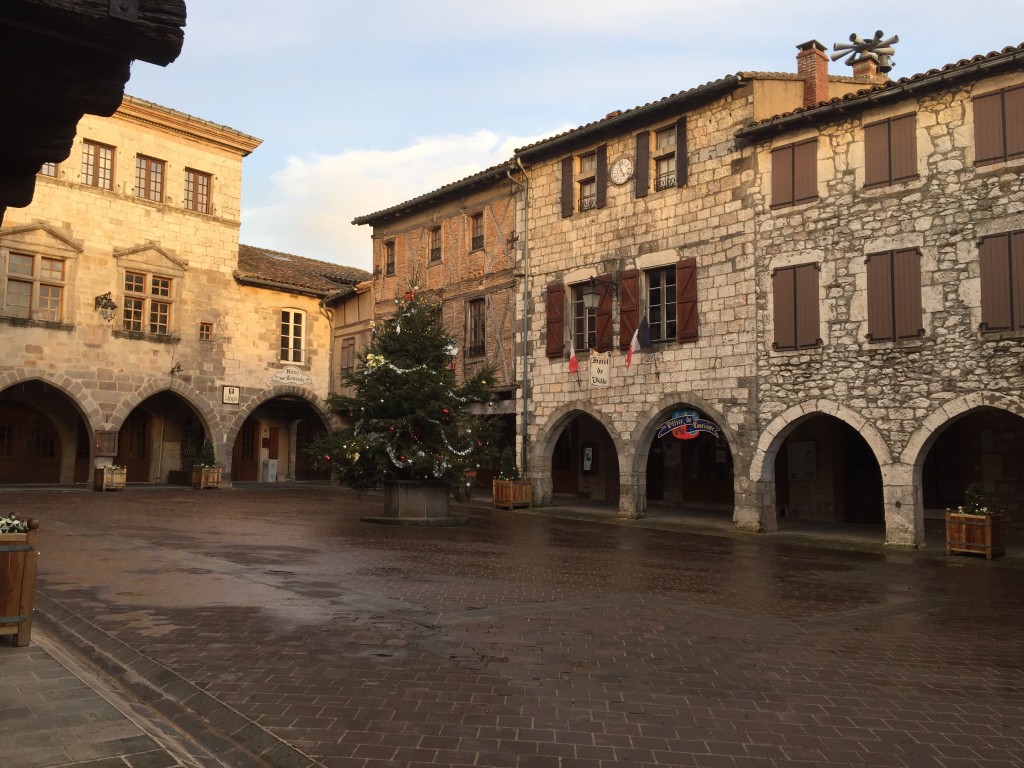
805, 171
782, 176
807, 325
784, 296
1013, 106
629, 305
682, 160
879, 267
876, 154
601, 176
603, 314
988, 128
906, 272
1017, 279
555, 313
686, 300
642, 180
567, 187
994, 255
903, 149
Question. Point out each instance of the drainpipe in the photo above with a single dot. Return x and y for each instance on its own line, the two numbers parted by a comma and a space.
525, 389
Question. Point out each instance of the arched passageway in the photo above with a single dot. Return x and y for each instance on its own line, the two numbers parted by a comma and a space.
271, 444
584, 462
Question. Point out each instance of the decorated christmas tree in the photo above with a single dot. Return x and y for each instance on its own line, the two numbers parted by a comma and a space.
409, 419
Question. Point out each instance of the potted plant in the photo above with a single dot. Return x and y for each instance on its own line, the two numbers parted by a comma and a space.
976, 527
110, 477
18, 576
510, 490
205, 472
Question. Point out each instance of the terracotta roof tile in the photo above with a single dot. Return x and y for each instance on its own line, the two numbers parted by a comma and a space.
286, 271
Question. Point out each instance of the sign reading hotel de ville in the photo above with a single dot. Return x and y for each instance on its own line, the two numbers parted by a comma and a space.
290, 376
600, 366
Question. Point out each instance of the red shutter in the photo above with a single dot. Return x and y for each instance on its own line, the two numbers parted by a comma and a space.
876, 154
642, 180
906, 273
994, 255
682, 160
807, 302
784, 296
805, 171
988, 128
629, 305
903, 147
782, 176
567, 187
686, 300
1013, 105
879, 267
601, 175
603, 314
1017, 279
555, 313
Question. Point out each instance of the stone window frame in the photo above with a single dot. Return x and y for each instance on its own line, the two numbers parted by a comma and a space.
890, 151
205, 331
663, 329
292, 337
24, 242
894, 295
197, 192
796, 303
661, 153
148, 302
579, 177
150, 178
93, 166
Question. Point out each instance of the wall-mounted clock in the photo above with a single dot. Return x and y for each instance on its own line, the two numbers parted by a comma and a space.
621, 171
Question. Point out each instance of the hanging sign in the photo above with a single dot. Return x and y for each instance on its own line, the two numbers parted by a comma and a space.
686, 425
600, 365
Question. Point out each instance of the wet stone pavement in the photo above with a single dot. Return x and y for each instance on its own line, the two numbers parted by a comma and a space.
273, 628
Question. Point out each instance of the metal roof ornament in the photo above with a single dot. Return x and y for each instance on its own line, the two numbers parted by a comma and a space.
876, 49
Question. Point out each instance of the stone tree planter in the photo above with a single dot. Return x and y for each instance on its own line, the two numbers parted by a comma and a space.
415, 504
18, 583
110, 478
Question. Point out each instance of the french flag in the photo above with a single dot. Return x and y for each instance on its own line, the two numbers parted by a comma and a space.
641, 339
574, 364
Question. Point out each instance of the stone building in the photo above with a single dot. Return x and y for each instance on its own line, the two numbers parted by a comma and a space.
459, 245
134, 326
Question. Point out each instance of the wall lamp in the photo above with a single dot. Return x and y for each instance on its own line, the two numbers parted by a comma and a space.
176, 369
591, 291
106, 306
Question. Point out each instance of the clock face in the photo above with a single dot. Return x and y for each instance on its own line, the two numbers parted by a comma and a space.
621, 171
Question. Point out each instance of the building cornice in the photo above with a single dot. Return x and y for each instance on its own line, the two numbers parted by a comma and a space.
164, 118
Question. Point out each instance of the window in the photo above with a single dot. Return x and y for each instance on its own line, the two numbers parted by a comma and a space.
477, 231
48, 169
795, 293
206, 331
34, 287
661, 303
348, 355
292, 325
584, 322
1002, 282
890, 151
435, 244
588, 184
999, 126
894, 295
477, 329
149, 178
665, 159
584, 177
97, 165
197, 191
795, 174
147, 303
389, 257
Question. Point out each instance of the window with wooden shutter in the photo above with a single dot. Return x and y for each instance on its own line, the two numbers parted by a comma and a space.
567, 187
1002, 282
601, 175
682, 166
795, 174
603, 315
642, 181
999, 126
555, 306
662, 304
894, 295
629, 305
795, 296
686, 300
890, 151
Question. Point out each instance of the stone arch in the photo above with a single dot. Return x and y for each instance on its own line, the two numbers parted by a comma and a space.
544, 449
651, 418
255, 401
762, 466
72, 389
196, 400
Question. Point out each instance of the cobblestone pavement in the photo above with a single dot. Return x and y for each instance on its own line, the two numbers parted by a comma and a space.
272, 627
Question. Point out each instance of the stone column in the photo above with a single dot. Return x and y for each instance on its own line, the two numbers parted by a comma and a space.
632, 495
754, 508
904, 507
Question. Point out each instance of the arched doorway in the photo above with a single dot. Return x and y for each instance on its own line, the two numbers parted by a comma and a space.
43, 437
584, 463
158, 441
826, 472
689, 463
271, 445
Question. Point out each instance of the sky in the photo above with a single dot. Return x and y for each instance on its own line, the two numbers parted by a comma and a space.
364, 105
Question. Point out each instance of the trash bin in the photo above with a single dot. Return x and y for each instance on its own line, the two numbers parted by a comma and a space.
269, 471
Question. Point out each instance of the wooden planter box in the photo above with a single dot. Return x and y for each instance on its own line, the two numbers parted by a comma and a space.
107, 479
980, 534
509, 494
206, 477
18, 583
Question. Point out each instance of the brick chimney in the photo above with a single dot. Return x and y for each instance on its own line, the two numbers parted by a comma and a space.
867, 69
812, 67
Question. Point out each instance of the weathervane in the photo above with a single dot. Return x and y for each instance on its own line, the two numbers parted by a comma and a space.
876, 49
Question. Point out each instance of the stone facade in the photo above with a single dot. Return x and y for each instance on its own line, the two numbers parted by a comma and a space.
192, 348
